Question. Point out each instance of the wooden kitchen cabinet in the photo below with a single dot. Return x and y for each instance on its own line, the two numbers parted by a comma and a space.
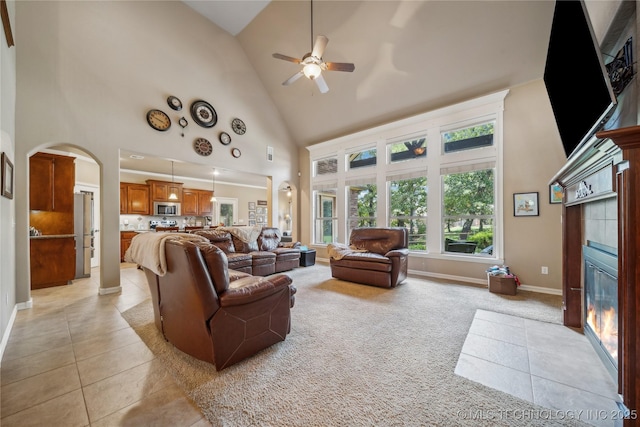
51, 181
196, 202
135, 199
160, 190
53, 261
125, 242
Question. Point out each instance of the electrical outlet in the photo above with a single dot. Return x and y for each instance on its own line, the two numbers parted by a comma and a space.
545, 270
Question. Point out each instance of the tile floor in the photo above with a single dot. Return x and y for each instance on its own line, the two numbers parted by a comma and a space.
520, 357
73, 360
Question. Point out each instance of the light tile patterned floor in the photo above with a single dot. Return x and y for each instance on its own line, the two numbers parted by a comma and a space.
73, 360
548, 364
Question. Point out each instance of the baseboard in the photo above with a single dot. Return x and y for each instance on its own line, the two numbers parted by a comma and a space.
108, 291
530, 288
7, 332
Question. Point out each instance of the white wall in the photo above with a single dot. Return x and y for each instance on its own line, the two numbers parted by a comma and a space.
7, 206
89, 71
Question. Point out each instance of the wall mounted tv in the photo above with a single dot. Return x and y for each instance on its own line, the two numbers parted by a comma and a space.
575, 76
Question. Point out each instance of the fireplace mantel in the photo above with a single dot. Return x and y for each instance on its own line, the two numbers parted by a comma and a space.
618, 150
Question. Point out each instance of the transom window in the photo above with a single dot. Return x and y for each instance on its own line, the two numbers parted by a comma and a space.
468, 138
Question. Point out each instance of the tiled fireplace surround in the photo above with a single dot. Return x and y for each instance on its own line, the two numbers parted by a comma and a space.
602, 183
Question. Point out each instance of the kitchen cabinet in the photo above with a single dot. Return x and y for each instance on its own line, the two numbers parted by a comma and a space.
125, 242
53, 260
160, 190
135, 199
196, 202
51, 181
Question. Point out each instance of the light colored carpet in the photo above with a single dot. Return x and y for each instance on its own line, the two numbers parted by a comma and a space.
358, 356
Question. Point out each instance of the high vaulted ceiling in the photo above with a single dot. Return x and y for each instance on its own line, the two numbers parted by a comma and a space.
410, 56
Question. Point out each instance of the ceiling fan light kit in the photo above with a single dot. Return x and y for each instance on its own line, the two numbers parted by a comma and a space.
313, 64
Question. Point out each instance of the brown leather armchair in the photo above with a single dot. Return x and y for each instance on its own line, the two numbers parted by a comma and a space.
374, 256
205, 314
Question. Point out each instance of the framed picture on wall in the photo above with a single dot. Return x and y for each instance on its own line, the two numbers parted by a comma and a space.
556, 193
7, 177
526, 204
252, 215
252, 206
259, 219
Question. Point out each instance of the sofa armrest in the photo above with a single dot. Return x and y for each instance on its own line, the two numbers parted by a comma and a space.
253, 288
397, 253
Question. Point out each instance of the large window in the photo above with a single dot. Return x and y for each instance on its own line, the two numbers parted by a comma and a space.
468, 213
408, 208
437, 174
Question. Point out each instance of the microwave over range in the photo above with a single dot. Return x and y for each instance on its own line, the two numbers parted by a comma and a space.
166, 209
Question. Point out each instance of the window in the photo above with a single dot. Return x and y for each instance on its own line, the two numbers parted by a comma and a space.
468, 212
326, 219
408, 150
408, 208
326, 166
468, 138
362, 159
439, 174
362, 203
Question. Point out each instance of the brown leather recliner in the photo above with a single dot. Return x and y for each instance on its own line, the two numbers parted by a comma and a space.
374, 256
287, 258
201, 312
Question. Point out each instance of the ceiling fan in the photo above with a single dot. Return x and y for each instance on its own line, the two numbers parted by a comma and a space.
313, 64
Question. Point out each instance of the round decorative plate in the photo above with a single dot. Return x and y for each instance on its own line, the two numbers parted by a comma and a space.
225, 138
203, 114
174, 103
235, 152
238, 126
202, 147
158, 120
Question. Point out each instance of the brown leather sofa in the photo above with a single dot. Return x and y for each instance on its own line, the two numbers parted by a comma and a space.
260, 257
215, 314
374, 256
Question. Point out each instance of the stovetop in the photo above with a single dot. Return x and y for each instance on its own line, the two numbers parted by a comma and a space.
163, 223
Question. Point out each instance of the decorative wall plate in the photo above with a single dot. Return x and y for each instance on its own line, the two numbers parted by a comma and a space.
225, 138
238, 126
158, 120
202, 147
235, 152
174, 103
203, 114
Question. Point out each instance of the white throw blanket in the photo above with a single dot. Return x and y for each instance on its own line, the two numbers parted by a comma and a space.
147, 249
340, 250
245, 234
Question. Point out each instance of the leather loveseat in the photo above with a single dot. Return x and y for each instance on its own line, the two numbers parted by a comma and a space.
215, 314
374, 256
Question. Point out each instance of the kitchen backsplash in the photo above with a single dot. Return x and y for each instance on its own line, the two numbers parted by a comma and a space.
141, 222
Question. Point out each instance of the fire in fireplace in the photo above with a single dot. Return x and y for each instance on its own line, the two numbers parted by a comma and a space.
601, 302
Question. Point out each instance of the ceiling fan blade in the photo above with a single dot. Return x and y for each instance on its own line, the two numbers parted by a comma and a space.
322, 85
318, 47
287, 58
293, 78
339, 66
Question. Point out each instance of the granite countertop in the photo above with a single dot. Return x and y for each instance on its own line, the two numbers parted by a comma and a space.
53, 236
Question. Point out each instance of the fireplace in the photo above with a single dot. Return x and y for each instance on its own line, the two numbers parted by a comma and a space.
601, 302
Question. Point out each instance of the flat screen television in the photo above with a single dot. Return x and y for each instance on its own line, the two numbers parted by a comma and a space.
576, 79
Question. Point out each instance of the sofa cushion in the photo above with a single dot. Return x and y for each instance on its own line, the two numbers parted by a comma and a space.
365, 261
269, 238
220, 238
216, 262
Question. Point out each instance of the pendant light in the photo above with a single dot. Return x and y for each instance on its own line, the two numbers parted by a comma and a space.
213, 188
173, 195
